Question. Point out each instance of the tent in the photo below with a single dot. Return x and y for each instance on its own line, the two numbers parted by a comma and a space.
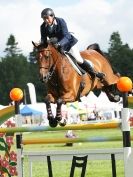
27, 111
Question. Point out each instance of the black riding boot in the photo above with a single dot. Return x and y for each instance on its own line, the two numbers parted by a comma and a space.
88, 68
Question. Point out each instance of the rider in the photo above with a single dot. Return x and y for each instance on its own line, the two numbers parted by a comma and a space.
54, 30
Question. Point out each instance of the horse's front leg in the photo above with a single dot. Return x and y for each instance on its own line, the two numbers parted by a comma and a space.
58, 113
52, 121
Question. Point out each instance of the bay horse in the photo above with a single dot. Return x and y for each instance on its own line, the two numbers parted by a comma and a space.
64, 84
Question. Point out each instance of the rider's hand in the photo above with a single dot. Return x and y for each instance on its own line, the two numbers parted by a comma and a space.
61, 51
57, 46
53, 40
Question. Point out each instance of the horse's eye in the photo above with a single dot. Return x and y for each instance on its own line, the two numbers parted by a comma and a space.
46, 57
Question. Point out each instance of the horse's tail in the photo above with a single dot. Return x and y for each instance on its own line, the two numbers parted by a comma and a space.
96, 47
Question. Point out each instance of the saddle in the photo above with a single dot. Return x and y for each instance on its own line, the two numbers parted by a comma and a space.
74, 63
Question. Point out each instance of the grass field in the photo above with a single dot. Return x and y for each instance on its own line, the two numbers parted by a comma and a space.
95, 168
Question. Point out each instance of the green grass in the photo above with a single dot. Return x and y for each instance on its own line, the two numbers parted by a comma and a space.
95, 168
81, 134
62, 169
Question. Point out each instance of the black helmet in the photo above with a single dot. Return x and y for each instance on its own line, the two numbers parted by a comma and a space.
47, 12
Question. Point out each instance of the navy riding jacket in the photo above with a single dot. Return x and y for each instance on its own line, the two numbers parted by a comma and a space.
60, 31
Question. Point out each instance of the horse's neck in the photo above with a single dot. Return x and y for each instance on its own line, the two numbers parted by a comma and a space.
55, 55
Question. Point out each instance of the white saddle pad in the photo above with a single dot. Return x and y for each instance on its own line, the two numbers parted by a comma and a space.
74, 65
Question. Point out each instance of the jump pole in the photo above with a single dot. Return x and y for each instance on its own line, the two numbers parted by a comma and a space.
113, 124
125, 85
70, 140
16, 95
128, 155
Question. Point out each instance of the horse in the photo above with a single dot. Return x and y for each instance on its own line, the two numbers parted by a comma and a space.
64, 84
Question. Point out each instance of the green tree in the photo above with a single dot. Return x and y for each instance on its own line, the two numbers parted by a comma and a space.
120, 55
41, 90
12, 49
14, 70
115, 43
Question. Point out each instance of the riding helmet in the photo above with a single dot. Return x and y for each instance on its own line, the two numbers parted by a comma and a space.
47, 12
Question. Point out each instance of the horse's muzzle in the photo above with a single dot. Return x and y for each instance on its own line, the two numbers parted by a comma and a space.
43, 79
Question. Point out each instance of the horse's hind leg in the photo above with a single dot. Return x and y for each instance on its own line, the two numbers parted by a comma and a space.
58, 113
52, 121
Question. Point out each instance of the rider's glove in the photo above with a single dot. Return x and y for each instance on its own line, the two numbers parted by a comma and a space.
61, 51
59, 48
53, 40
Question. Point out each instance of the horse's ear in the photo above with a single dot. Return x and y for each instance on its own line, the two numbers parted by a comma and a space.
34, 44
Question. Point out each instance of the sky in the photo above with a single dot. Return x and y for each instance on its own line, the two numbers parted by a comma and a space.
90, 21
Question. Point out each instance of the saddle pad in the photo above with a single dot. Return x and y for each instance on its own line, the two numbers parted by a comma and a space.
74, 65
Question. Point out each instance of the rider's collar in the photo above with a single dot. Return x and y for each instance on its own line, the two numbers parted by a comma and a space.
54, 23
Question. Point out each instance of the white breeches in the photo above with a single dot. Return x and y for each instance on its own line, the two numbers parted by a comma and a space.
76, 54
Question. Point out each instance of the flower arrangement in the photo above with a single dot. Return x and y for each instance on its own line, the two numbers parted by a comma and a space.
8, 159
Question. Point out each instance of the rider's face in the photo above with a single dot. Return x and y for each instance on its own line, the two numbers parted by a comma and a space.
48, 19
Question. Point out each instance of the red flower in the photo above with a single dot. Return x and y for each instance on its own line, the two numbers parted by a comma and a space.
1, 174
9, 140
13, 171
10, 124
5, 163
13, 156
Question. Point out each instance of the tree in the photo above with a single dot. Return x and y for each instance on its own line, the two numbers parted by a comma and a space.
120, 55
33, 56
115, 43
14, 70
41, 88
12, 49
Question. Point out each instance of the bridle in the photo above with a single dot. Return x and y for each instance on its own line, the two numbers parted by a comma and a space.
51, 69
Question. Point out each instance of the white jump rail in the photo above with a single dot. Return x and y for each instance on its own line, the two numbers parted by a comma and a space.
67, 155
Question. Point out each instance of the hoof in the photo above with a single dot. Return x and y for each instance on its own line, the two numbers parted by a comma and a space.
62, 124
53, 122
114, 98
58, 118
